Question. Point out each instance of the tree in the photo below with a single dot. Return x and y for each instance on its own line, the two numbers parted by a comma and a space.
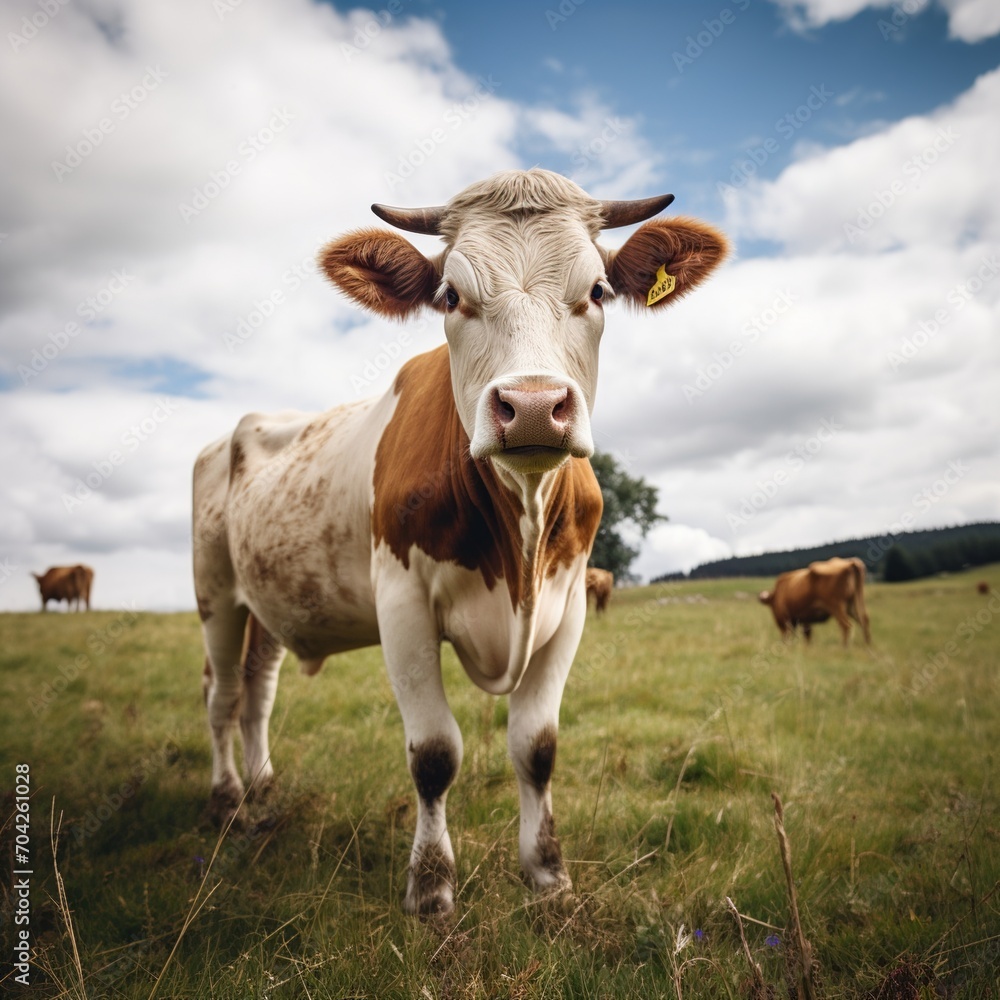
628, 502
899, 565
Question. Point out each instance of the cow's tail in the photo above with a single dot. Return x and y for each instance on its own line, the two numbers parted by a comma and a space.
858, 572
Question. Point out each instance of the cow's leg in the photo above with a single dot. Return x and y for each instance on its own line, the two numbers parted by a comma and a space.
412, 652
860, 615
807, 631
261, 663
531, 740
223, 632
845, 624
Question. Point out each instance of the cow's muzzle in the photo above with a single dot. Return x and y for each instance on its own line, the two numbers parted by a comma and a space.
532, 424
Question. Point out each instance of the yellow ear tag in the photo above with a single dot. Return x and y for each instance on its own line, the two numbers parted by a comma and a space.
665, 284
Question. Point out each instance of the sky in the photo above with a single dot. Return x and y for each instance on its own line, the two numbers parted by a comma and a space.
170, 170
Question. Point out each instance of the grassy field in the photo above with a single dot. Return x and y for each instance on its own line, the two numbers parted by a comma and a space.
683, 714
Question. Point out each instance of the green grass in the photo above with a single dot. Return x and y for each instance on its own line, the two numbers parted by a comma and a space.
683, 713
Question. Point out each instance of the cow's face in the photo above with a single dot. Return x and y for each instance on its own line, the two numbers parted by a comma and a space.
523, 316
523, 285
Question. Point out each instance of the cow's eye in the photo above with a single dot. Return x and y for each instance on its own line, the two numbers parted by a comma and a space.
597, 293
451, 297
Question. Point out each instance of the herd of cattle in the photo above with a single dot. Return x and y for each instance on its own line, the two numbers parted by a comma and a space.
823, 590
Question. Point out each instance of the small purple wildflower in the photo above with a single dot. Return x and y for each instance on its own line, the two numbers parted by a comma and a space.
699, 934
772, 940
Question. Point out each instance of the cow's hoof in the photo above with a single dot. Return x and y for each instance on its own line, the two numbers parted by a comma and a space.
260, 790
430, 885
224, 803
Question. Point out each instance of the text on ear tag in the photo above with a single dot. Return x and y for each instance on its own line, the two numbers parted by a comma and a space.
664, 285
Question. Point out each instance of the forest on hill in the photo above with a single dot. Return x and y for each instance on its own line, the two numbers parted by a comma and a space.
893, 557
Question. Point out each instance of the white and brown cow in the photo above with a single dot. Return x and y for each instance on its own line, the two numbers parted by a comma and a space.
459, 506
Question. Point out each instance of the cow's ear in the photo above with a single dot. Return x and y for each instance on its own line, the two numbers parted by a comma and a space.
381, 271
664, 259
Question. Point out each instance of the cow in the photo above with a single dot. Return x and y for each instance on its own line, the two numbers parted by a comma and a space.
600, 583
809, 596
982, 587
459, 506
66, 583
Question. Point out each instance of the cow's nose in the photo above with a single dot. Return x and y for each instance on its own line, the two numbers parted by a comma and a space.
533, 417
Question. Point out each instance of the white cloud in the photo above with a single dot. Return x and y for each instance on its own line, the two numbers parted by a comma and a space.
223, 309
917, 181
968, 20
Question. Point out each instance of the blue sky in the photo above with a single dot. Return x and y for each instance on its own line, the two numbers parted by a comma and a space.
724, 99
171, 170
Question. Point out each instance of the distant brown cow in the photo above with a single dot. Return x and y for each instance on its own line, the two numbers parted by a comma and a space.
66, 583
600, 583
808, 596
983, 587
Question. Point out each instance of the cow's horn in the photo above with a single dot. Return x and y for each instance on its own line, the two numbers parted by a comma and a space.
628, 213
413, 220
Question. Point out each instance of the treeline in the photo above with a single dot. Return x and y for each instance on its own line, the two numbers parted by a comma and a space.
907, 556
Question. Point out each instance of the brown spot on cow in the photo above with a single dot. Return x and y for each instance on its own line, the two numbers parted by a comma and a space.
433, 765
204, 608
262, 569
237, 461
431, 493
543, 758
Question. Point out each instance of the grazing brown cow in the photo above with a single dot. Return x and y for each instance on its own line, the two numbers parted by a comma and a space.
982, 587
600, 583
808, 596
66, 583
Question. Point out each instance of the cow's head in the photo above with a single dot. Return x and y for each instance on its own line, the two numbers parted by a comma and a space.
523, 283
